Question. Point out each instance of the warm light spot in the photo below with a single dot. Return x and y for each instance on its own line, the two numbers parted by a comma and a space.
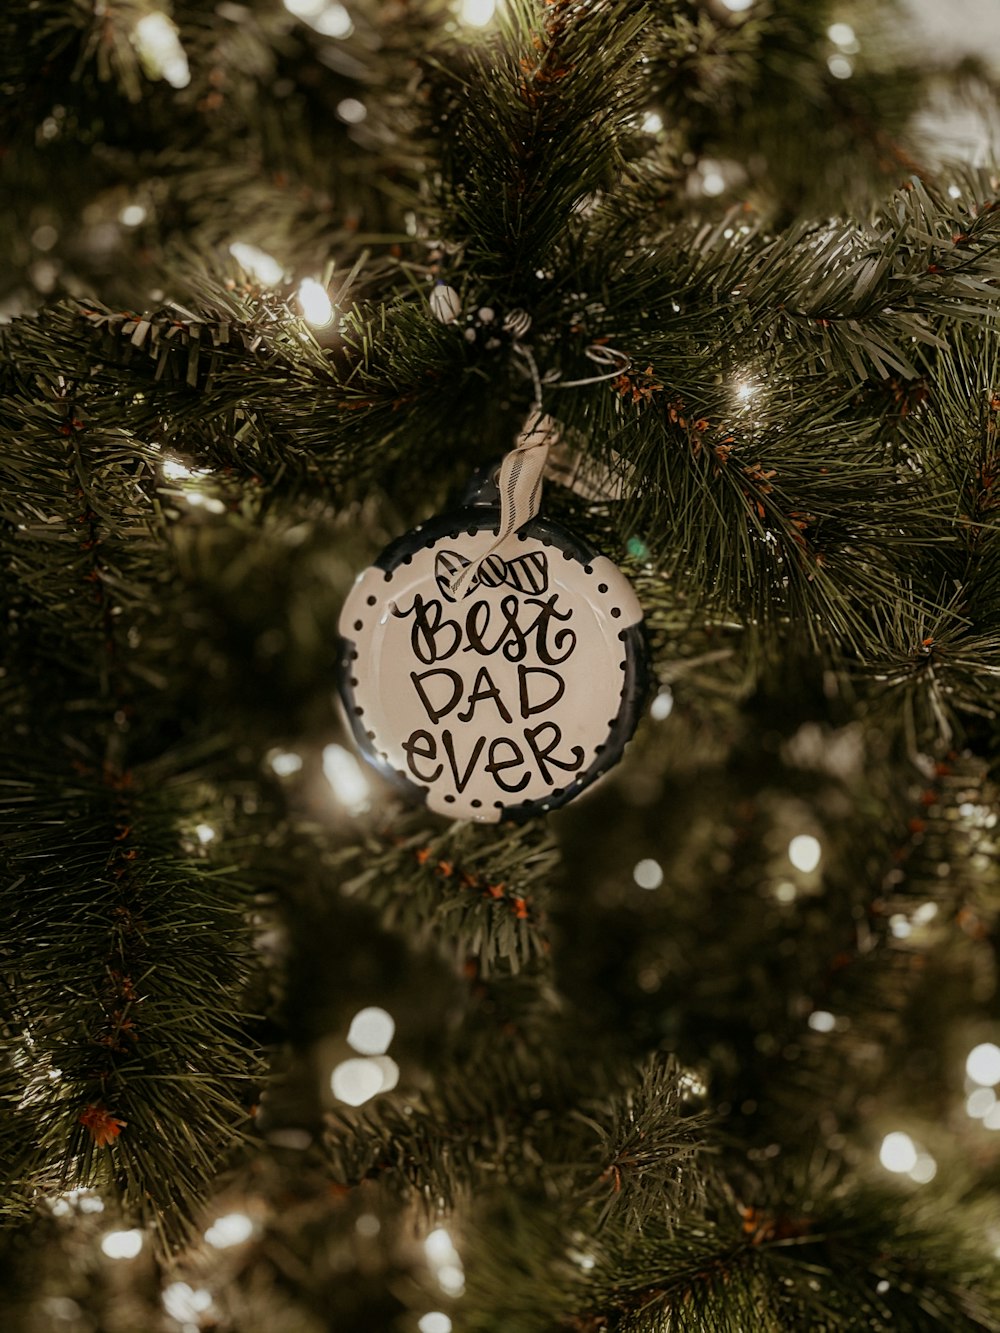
122, 1244
841, 34
979, 1103
786, 892
315, 304
84, 1201
983, 1064
648, 874
230, 1229
439, 1247
304, 9
371, 1031
737, 6
205, 833
821, 1021
185, 1303
991, 1120
286, 762
476, 13
662, 706
712, 180
132, 215
258, 263
652, 122
155, 38
804, 852
351, 111
900, 926
350, 786
175, 470
334, 21
924, 913
898, 1153
451, 1280
954, 193
840, 67
924, 1169
356, 1081
434, 1322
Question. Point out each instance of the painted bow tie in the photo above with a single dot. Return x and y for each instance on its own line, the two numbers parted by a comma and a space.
526, 573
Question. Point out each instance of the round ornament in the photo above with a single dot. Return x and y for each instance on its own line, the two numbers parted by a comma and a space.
496, 678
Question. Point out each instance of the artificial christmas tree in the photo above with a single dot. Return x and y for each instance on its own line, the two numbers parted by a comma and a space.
715, 1046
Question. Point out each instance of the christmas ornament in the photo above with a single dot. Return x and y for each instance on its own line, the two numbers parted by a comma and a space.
492, 662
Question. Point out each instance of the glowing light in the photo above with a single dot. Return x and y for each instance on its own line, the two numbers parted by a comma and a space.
924, 1169
980, 1103
451, 1280
652, 122
356, 1081
389, 1069
648, 874
155, 38
258, 263
476, 13
350, 786
662, 706
84, 1201
185, 1303
991, 1120
840, 67
712, 180
371, 1031
351, 111
304, 9
744, 392
983, 1064
899, 926
737, 6
204, 833
122, 1244
691, 1084
924, 913
786, 892
286, 762
434, 1322
821, 1021
955, 193
316, 306
175, 470
334, 22
804, 852
230, 1229
898, 1153
132, 215
841, 34
439, 1247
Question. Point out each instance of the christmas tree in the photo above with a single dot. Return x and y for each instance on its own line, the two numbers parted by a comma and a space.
713, 1047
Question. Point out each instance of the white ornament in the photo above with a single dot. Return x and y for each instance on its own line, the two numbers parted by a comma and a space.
445, 303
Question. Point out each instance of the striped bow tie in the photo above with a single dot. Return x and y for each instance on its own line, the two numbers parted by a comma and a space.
526, 573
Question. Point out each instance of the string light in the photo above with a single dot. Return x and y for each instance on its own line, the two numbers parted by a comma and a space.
285, 763
477, 13
446, 1261
204, 833
663, 705
924, 1169
132, 215
840, 67
898, 1153
804, 852
230, 1229
652, 122
315, 304
821, 1021
356, 1081
842, 35
185, 1303
954, 192
155, 38
434, 1322
305, 9
712, 180
84, 1201
122, 1244
351, 111
648, 874
350, 786
983, 1064
979, 1103
258, 263
334, 21
371, 1031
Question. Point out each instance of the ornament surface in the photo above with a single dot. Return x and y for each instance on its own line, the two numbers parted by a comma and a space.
510, 700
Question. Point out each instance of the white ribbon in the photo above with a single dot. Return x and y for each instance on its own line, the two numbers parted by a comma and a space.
520, 485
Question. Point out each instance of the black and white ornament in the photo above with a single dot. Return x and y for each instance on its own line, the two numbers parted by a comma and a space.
492, 662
